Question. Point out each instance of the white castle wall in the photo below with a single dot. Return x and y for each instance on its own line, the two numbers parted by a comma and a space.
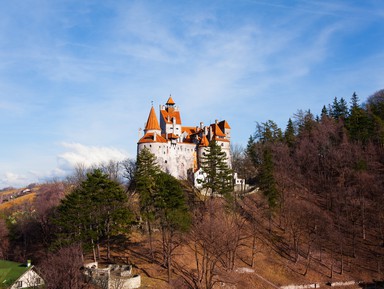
175, 159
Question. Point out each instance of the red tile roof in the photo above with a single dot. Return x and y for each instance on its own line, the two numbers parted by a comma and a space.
172, 136
168, 115
189, 129
150, 138
170, 101
224, 125
204, 141
152, 122
216, 130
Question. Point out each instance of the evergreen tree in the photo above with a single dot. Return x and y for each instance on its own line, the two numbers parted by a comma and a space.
218, 179
147, 171
324, 112
289, 134
354, 101
251, 152
359, 123
304, 122
267, 181
93, 212
339, 109
268, 132
343, 106
172, 213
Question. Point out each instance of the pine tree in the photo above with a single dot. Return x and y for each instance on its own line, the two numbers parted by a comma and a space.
147, 171
324, 112
289, 134
339, 109
218, 179
94, 211
267, 180
359, 124
268, 132
172, 213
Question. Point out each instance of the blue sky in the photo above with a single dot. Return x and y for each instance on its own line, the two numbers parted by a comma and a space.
77, 77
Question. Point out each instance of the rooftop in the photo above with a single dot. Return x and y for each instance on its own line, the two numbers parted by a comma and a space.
10, 272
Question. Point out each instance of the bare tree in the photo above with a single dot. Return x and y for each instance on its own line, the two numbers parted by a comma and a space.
213, 246
4, 242
61, 270
79, 175
129, 170
112, 169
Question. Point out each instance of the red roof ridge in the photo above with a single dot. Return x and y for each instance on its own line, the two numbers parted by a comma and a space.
150, 138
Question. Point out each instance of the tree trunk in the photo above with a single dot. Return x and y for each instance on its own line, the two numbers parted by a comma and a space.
253, 250
150, 239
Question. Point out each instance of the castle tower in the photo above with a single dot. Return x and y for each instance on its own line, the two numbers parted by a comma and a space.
178, 148
152, 125
170, 121
152, 134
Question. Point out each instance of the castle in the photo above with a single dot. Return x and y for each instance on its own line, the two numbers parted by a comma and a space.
179, 149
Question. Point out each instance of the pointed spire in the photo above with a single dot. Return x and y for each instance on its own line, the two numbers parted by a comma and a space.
170, 101
152, 122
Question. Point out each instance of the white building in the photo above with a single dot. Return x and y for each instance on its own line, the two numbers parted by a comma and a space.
179, 148
15, 275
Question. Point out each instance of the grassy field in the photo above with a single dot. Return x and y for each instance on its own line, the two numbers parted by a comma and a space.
18, 201
10, 272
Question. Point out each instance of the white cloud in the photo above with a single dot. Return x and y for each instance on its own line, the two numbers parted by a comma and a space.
88, 155
10, 179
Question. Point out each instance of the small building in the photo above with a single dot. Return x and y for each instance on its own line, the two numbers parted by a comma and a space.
15, 275
113, 276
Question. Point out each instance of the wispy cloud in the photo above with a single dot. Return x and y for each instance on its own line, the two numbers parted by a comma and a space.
78, 154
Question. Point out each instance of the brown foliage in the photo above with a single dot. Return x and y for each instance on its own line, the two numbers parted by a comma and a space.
61, 270
213, 241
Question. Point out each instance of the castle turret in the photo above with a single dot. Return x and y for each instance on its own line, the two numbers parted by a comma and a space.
152, 124
179, 149
170, 121
152, 131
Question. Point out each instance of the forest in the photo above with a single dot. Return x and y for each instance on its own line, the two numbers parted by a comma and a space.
313, 212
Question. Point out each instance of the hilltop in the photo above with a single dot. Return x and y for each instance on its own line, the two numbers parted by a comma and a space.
313, 213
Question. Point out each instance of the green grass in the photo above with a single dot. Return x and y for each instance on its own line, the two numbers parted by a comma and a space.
10, 272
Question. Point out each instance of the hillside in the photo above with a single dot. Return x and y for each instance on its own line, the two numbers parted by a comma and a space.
313, 215
275, 260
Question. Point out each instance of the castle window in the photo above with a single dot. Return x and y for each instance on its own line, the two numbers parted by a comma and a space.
222, 144
166, 161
